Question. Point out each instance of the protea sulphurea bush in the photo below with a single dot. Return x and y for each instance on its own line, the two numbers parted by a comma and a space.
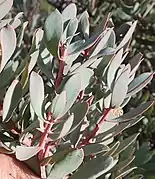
62, 105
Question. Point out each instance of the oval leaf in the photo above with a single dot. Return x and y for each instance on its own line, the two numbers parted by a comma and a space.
92, 149
72, 88
69, 164
84, 24
67, 126
114, 65
58, 105
120, 89
69, 12
11, 99
94, 168
8, 44
102, 43
5, 7
53, 31
134, 112
125, 143
85, 75
36, 93
25, 153
139, 83
128, 36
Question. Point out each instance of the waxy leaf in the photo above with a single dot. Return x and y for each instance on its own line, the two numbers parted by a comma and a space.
11, 99
67, 165
36, 93
114, 65
63, 128
25, 153
53, 31
134, 113
58, 104
56, 157
94, 168
135, 60
67, 126
115, 130
123, 164
113, 148
102, 43
33, 60
70, 30
93, 149
21, 34
69, 12
128, 36
85, 75
72, 88
79, 110
94, 59
84, 24
139, 83
8, 44
125, 143
126, 172
83, 45
5, 7
120, 89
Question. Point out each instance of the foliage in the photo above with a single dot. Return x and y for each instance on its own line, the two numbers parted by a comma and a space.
62, 104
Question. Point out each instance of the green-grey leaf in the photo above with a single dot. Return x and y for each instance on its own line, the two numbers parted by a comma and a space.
139, 83
120, 89
70, 30
114, 65
67, 126
21, 34
79, 110
123, 164
69, 12
36, 93
94, 168
53, 31
5, 7
33, 60
72, 88
126, 172
85, 75
84, 24
125, 143
112, 131
67, 165
11, 99
128, 36
102, 43
135, 112
8, 44
25, 153
57, 156
58, 105
92, 149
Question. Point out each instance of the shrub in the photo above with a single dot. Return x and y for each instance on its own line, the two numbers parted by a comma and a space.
62, 105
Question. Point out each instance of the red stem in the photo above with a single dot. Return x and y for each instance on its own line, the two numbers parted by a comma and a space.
43, 141
47, 149
93, 133
45, 135
60, 74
